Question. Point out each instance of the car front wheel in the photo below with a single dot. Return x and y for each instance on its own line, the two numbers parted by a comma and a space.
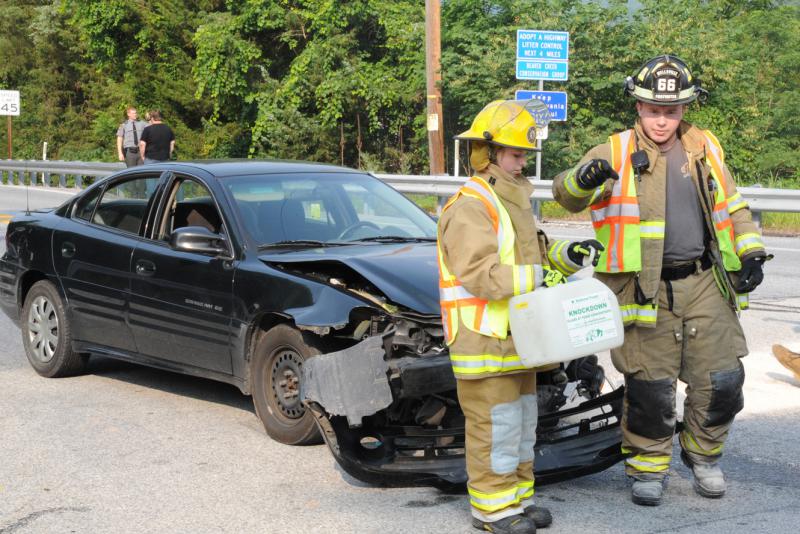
46, 333
277, 372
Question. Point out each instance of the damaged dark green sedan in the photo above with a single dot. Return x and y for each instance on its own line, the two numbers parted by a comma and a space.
312, 288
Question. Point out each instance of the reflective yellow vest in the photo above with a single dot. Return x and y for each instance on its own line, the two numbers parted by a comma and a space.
619, 228
486, 317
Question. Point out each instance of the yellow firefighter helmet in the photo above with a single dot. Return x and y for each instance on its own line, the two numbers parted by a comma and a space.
509, 123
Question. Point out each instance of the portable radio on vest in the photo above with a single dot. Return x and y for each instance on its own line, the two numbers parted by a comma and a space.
639, 162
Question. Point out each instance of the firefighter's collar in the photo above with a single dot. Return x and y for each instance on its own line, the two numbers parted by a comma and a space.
509, 189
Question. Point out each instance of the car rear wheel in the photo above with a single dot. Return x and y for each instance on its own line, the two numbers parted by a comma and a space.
46, 333
277, 374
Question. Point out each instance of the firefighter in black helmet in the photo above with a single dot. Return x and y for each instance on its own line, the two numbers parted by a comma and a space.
681, 254
664, 81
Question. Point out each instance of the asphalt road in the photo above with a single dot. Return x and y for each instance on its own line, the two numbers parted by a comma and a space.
130, 449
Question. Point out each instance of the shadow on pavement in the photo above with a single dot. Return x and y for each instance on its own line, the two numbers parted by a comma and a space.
171, 382
785, 378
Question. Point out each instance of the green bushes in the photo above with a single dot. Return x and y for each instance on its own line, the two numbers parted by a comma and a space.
343, 81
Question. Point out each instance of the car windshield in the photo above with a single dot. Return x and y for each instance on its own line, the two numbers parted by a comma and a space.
306, 208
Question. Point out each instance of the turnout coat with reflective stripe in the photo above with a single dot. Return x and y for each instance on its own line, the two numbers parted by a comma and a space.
482, 272
628, 215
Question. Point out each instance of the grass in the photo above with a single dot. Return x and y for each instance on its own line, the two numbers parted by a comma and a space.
426, 202
780, 223
553, 211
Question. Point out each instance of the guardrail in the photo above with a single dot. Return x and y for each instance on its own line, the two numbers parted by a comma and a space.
78, 174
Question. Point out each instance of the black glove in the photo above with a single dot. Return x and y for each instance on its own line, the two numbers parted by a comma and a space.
579, 250
594, 173
751, 274
551, 277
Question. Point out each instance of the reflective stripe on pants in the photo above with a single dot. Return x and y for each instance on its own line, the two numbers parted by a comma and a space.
500, 417
698, 340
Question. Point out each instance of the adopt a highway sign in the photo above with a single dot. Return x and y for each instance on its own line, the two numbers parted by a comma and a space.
542, 55
539, 44
9, 103
556, 102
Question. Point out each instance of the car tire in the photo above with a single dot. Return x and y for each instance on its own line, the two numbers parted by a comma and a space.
277, 371
46, 333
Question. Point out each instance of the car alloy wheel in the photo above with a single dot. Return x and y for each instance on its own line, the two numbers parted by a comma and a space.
42, 329
46, 333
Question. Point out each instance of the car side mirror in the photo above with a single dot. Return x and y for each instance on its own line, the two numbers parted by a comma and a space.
198, 239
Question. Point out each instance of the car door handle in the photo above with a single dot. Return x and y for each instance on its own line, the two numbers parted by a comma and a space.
145, 268
67, 249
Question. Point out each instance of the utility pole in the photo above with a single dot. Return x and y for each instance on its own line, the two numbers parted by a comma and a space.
433, 75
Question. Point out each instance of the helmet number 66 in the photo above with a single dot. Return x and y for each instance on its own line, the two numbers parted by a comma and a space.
666, 84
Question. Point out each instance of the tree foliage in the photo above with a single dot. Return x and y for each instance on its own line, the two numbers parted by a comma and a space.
344, 80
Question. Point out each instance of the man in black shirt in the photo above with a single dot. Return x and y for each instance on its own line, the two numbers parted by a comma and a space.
158, 141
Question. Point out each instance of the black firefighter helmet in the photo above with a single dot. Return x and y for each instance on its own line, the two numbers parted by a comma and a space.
665, 81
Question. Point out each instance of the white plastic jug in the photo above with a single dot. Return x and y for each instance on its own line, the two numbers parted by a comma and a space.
564, 322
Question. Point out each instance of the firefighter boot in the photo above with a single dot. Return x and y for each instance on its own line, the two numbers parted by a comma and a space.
648, 488
708, 478
539, 515
515, 524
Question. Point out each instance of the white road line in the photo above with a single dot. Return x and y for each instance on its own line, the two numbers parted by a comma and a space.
35, 188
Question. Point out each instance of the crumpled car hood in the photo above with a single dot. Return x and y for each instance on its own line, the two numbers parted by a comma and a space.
406, 272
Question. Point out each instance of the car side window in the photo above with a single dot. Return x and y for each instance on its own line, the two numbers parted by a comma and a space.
85, 206
191, 204
124, 204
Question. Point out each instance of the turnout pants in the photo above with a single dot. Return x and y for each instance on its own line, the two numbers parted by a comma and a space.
500, 413
698, 341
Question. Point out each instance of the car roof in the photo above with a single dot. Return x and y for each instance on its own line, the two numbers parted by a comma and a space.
242, 167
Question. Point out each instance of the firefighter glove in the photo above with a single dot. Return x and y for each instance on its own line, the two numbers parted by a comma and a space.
551, 277
751, 274
580, 251
594, 173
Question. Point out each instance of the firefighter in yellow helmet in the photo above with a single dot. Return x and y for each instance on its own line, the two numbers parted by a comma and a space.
682, 252
489, 250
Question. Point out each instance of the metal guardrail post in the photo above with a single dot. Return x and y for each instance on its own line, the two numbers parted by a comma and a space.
756, 214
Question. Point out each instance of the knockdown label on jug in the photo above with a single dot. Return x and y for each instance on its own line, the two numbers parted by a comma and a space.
589, 319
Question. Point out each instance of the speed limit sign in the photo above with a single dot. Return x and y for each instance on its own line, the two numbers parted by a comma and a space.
9, 103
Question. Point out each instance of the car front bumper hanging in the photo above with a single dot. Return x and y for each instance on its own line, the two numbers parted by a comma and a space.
345, 389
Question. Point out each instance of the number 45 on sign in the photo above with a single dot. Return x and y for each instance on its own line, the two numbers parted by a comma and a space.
9, 103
